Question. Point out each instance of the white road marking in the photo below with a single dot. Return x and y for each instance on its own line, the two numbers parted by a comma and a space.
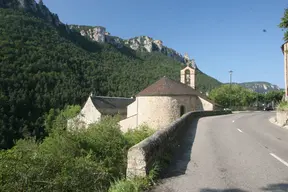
233, 121
240, 130
279, 159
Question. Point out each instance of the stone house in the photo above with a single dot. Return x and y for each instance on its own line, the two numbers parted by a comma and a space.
97, 107
165, 101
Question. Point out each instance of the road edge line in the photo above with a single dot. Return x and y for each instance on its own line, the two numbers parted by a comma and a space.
279, 159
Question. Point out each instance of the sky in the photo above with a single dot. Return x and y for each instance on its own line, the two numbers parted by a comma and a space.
220, 35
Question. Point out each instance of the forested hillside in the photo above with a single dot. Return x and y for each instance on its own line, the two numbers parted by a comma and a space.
44, 67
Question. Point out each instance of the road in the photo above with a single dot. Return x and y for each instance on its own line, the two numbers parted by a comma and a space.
232, 153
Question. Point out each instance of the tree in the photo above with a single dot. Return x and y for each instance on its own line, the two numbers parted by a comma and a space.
41, 3
273, 96
284, 24
236, 94
57, 119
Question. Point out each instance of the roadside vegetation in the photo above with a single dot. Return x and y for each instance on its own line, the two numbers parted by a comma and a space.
283, 106
239, 97
284, 24
93, 159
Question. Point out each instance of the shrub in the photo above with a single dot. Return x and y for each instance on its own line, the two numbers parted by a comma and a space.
283, 106
87, 159
129, 185
134, 136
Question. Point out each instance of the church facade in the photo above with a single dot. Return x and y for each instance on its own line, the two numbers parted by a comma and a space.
165, 101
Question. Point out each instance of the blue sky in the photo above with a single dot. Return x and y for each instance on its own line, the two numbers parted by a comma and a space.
220, 35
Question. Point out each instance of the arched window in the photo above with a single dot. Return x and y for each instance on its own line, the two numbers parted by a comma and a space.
187, 77
182, 110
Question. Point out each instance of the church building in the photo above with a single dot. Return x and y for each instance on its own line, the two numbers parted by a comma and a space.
157, 106
166, 100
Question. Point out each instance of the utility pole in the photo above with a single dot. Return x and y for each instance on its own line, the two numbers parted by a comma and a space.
230, 72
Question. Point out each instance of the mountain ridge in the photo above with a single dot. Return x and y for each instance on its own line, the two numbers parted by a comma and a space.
141, 43
44, 65
260, 86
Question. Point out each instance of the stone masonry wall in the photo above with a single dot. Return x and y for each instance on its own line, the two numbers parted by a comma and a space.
142, 155
204, 105
128, 123
162, 110
132, 108
282, 118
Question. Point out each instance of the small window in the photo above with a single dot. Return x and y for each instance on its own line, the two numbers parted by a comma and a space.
182, 110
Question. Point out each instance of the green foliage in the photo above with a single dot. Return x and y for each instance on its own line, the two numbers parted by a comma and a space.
282, 106
58, 119
136, 184
284, 24
275, 96
134, 136
130, 185
89, 159
240, 96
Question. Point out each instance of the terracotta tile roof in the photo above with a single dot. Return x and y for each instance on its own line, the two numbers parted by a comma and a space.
167, 87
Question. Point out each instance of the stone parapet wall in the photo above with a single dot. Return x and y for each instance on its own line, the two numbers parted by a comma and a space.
281, 118
142, 155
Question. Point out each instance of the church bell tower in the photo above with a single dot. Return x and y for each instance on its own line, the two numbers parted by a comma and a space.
188, 74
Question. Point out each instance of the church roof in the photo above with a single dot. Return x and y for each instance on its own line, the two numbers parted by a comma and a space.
167, 87
102, 102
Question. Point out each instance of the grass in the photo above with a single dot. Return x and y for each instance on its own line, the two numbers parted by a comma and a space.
282, 106
139, 184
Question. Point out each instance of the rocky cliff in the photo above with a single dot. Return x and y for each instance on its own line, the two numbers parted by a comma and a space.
97, 33
39, 9
141, 43
260, 87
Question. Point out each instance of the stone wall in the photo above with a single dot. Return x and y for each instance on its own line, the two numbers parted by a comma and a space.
142, 155
88, 114
204, 105
162, 110
128, 123
132, 108
282, 118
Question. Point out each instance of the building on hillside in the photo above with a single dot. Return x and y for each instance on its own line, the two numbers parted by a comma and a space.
284, 48
97, 107
165, 101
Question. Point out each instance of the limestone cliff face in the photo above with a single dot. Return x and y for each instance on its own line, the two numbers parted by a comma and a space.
260, 87
141, 43
38, 9
97, 34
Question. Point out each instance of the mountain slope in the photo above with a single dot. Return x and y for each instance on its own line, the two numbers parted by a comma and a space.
141, 43
260, 87
44, 66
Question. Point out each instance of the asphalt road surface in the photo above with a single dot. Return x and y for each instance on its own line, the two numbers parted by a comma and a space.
231, 153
